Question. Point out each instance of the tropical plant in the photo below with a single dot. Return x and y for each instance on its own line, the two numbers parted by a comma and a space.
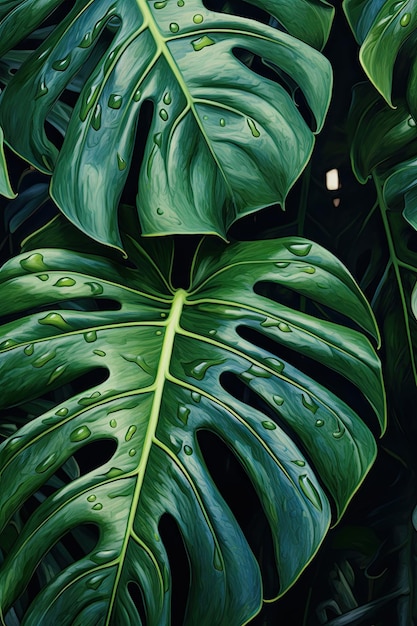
191, 392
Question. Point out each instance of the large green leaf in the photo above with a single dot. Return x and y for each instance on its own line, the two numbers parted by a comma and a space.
173, 360
382, 27
223, 140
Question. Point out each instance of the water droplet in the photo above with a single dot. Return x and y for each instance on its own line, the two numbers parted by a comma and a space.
96, 289
160, 5
113, 423
198, 18
138, 360
132, 452
202, 42
157, 139
115, 101
277, 365
198, 369
130, 432
319, 423
46, 464
284, 327
92, 498
217, 560
174, 27
44, 359
309, 270
158, 332
13, 443
205, 117
62, 64
55, 319
212, 331
183, 413
99, 352
86, 401
167, 98
340, 432
282, 264
163, 314
269, 425
163, 115
160, 211
90, 336
95, 581
33, 263
222, 122
195, 396
98, 506
299, 463
81, 433
114, 472
176, 443
58, 371
137, 94
278, 400
96, 119
188, 450
309, 403
406, 19
89, 99
310, 491
43, 277
180, 3
104, 556
121, 163
86, 41
255, 132
9, 343
299, 249
65, 282
255, 371
42, 90
62, 412
411, 122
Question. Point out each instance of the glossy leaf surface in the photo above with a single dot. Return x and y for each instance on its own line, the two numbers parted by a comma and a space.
170, 358
5, 187
222, 140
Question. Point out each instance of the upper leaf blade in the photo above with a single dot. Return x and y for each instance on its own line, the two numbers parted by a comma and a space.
223, 140
5, 186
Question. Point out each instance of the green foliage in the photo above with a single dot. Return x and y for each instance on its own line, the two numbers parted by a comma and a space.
5, 187
223, 140
166, 353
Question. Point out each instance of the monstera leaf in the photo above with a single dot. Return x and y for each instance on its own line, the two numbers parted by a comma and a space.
5, 187
382, 27
223, 139
174, 361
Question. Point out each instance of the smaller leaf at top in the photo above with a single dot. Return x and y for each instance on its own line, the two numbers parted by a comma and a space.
5, 186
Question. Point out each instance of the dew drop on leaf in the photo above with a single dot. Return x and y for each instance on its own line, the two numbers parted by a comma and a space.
277, 365
13, 443
411, 122
299, 463
299, 249
188, 450
130, 432
58, 371
96, 288
43, 277
195, 396
137, 95
121, 163
65, 282
115, 101
104, 556
113, 423
46, 463
278, 400
163, 115
202, 42
95, 581
310, 491
9, 343
87, 400
180, 3
55, 319
44, 359
99, 352
42, 90
114, 472
61, 64
132, 452
81, 433
198, 18
212, 332
309, 403
96, 119
283, 327
86, 41
90, 336
405, 20
98, 506
252, 126
256, 372
62, 412
198, 369
282, 264
319, 423
33, 263
338, 434
174, 27
183, 413
167, 98
92, 498
222, 122
309, 270
217, 560
269, 425
160, 5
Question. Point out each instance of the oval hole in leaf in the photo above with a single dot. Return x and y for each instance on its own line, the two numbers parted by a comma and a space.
94, 455
237, 490
178, 562
137, 599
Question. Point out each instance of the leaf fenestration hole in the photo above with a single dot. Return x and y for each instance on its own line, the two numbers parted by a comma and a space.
173, 542
135, 593
239, 493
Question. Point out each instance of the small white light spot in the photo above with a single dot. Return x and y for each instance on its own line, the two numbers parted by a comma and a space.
332, 180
